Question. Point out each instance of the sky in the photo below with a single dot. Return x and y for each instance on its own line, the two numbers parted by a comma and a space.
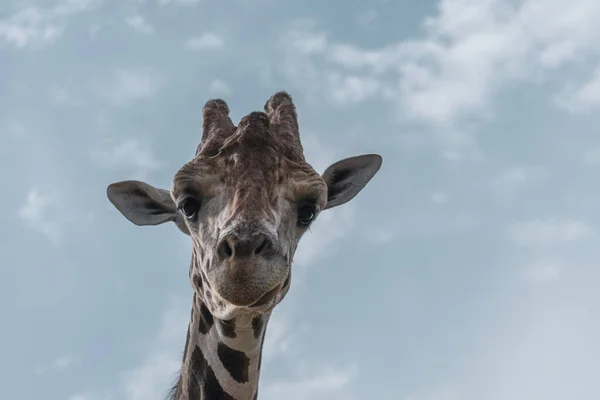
465, 270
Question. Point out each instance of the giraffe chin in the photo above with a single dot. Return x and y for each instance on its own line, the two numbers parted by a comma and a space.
263, 305
267, 299
252, 284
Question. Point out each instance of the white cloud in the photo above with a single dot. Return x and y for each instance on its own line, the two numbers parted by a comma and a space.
151, 379
219, 87
519, 175
160, 359
470, 51
425, 223
510, 182
130, 153
94, 28
544, 270
331, 226
65, 362
305, 379
39, 214
205, 41
382, 236
367, 18
472, 48
64, 97
318, 154
34, 27
301, 46
59, 364
320, 383
139, 24
130, 85
352, 89
544, 233
155, 373
304, 40
279, 338
26, 28
544, 347
282, 341
584, 98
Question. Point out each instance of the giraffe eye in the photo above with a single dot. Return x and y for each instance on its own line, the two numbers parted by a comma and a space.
306, 214
189, 207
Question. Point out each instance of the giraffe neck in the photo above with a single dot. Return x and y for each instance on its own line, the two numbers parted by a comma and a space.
222, 359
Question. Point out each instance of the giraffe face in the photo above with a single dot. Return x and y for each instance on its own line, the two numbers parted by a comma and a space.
246, 210
245, 199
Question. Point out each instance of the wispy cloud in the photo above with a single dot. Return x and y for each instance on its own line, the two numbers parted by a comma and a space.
583, 98
65, 97
511, 181
544, 270
322, 382
367, 18
129, 154
547, 239
467, 54
220, 87
65, 362
153, 377
352, 89
127, 86
279, 339
59, 364
309, 379
544, 233
94, 28
161, 356
543, 347
205, 41
330, 227
139, 24
37, 213
34, 27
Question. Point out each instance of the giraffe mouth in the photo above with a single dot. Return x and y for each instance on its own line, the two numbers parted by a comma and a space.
266, 298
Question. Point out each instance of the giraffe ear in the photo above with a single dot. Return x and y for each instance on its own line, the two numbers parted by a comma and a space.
143, 204
346, 178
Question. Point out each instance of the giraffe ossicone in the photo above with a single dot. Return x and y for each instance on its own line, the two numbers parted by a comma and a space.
245, 199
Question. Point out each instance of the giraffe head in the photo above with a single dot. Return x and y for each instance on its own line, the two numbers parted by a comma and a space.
245, 199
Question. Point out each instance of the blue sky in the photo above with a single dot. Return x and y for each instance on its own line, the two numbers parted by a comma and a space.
466, 270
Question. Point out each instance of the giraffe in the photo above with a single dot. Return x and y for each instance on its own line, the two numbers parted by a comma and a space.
245, 200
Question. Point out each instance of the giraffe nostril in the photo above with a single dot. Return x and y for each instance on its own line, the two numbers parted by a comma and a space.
261, 246
225, 250
235, 247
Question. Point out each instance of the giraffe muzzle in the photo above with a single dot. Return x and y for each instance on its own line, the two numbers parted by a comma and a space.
267, 299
